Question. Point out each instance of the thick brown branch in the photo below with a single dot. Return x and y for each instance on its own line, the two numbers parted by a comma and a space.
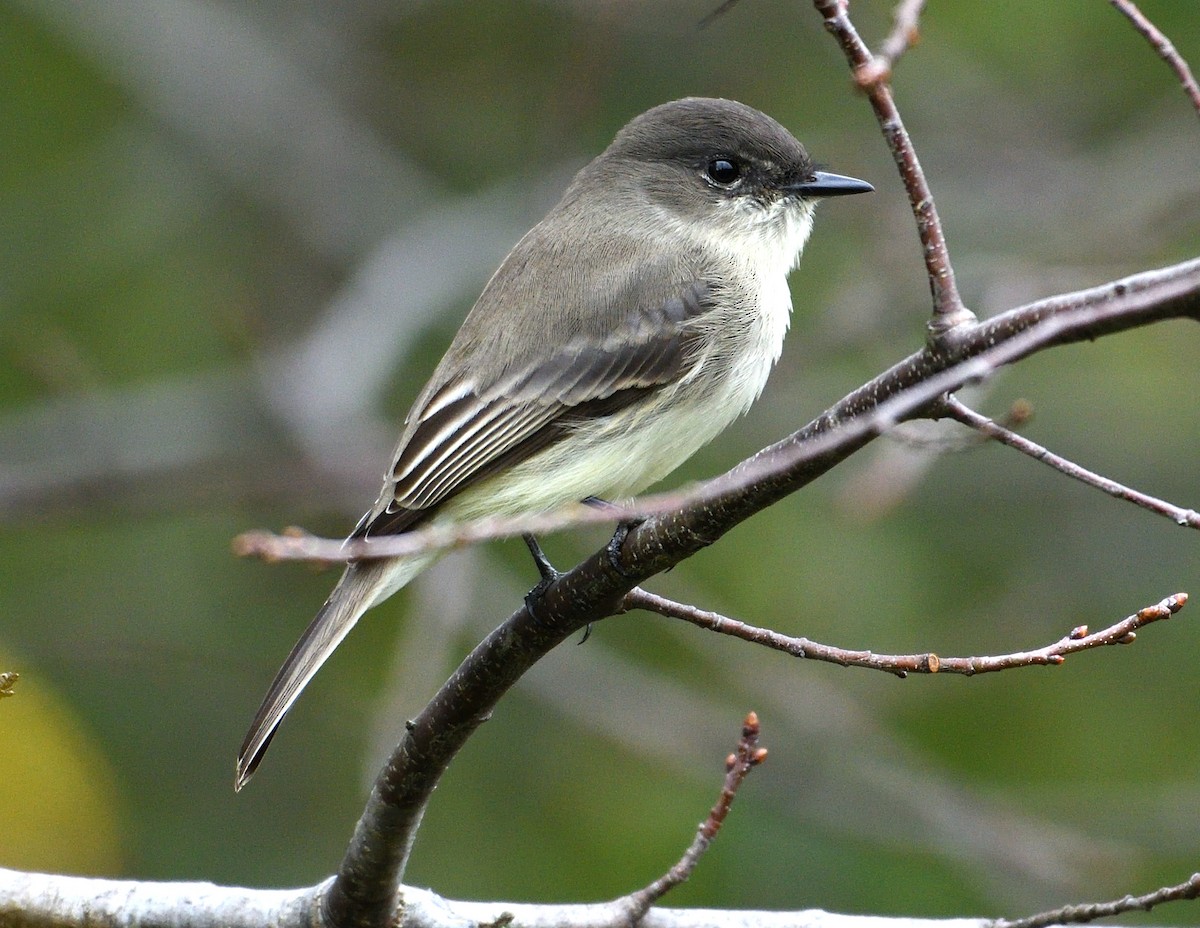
1078, 639
364, 889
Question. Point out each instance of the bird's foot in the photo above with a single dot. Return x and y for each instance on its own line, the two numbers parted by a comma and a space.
612, 550
548, 571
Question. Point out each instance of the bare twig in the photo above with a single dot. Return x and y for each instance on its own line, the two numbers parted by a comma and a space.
958, 442
956, 410
1078, 639
747, 756
1089, 912
8, 679
948, 309
1163, 46
906, 32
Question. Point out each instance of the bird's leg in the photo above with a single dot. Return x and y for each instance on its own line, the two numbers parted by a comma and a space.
548, 571
613, 549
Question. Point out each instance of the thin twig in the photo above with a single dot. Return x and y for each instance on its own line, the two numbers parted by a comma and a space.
959, 412
948, 309
1089, 912
958, 442
906, 32
746, 757
1163, 46
1078, 639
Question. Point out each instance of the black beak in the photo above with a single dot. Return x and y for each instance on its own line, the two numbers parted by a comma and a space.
824, 184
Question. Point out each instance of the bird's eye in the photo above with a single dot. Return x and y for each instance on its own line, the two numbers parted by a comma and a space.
723, 171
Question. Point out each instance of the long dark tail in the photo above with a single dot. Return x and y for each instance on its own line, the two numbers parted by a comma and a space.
362, 585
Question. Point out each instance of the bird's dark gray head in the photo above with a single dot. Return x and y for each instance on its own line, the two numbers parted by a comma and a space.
695, 132
693, 155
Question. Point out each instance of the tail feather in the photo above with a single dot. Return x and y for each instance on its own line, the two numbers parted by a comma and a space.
362, 585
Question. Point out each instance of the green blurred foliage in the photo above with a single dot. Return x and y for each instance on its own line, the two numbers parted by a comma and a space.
163, 249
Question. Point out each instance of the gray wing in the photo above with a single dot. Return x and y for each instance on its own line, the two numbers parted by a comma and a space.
461, 433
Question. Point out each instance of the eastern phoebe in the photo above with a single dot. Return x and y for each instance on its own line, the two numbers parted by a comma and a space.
622, 333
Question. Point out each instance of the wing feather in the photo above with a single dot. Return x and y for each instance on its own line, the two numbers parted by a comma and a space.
503, 433
442, 438
461, 433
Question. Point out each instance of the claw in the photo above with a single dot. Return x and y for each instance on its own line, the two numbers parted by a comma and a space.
613, 549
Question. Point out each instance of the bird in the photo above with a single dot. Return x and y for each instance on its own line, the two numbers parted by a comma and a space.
623, 332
